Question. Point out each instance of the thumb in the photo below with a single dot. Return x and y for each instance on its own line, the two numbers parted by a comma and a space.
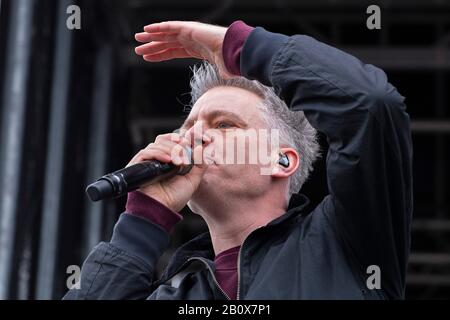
201, 162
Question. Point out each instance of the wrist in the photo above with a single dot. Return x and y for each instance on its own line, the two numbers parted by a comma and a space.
157, 197
152, 209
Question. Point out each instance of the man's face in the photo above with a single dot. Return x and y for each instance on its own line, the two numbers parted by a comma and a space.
240, 149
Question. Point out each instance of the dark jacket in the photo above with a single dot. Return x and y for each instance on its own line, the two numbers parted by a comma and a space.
323, 254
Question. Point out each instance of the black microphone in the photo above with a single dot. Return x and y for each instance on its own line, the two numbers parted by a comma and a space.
122, 181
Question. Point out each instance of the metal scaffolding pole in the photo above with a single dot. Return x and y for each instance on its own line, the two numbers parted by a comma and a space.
18, 54
52, 198
98, 143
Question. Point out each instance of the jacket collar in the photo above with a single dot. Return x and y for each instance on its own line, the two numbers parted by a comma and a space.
201, 245
297, 206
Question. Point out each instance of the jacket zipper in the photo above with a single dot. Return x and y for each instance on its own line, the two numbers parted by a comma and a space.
213, 276
239, 264
238, 269
239, 272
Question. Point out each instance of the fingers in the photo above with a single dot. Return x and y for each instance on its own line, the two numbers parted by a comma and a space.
166, 148
155, 47
161, 51
175, 137
181, 39
166, 40
161, 36
174, 145
167, 26
146, 154
177, 152
168, 54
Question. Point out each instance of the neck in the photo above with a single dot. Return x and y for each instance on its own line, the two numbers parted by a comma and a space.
231, 221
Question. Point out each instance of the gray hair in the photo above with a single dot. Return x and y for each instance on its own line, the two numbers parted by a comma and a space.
295, 130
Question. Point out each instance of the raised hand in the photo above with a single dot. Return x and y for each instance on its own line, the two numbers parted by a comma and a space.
183, 39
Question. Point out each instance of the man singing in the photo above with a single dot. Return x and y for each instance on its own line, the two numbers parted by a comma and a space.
262, 244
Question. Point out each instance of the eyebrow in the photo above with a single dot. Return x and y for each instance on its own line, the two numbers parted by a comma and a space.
216, 114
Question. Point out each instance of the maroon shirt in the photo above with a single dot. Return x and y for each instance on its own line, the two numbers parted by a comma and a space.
140, 205
226, 271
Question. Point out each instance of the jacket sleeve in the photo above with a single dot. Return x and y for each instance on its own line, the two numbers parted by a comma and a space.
369, 162
124, 268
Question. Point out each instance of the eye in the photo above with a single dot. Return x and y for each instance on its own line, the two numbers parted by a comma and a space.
223, 125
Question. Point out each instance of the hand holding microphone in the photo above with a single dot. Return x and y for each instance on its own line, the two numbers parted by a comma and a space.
167, 168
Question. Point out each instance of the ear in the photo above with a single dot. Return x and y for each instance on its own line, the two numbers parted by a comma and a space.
279, 171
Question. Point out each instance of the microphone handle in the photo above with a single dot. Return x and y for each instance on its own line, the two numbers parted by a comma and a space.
130, 178
122, 181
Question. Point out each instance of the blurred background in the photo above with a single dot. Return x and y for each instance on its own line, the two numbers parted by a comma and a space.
76, 104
